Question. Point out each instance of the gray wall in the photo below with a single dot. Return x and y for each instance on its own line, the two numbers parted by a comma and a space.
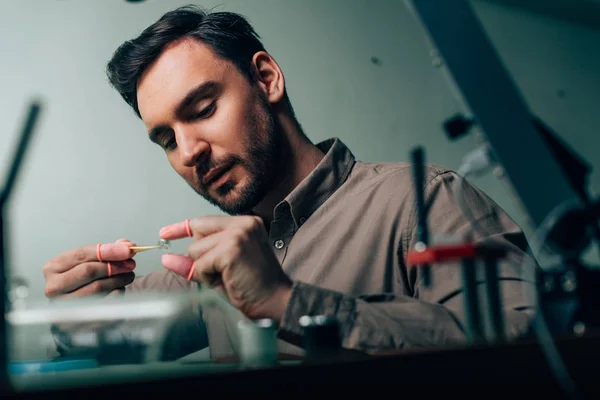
92, 175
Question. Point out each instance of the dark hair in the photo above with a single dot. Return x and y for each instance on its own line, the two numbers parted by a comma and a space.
228, 34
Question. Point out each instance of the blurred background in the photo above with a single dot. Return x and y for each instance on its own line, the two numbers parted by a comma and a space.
359, 70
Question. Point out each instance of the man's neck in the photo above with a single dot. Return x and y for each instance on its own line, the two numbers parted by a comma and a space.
298, 159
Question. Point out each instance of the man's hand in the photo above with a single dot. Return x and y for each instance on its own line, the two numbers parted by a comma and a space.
232, 253
81, 272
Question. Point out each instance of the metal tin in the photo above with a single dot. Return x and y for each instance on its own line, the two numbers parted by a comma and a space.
258, 343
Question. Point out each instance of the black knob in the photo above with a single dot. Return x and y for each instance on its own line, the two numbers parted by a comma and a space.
322, 337
457, 126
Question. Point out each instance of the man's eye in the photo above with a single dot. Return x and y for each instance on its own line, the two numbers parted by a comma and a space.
166, 141
169, 144
205, 111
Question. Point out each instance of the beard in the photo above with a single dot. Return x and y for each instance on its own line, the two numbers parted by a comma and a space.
262, 155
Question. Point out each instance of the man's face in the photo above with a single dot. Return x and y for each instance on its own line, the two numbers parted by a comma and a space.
216, 128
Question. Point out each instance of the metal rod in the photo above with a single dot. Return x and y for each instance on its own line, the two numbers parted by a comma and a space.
494, 300
458, 37
15, 166
418, 162
471, 304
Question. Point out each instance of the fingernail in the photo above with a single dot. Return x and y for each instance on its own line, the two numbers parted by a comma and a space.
177, 263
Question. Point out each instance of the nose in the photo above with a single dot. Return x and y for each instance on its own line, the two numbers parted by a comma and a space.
191, 146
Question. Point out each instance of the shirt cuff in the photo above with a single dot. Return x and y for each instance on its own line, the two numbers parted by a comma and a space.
312, 300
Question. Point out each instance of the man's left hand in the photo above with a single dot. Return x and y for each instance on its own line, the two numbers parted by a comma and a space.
232, 253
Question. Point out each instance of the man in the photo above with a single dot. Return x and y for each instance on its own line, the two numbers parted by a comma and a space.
311, 230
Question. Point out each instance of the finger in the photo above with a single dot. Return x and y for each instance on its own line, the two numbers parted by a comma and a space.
205, 269
203, 226
208, 268
103, 286
85, 273
107, 252
126, 242
179, 230
211, 224
179, 264
201, 246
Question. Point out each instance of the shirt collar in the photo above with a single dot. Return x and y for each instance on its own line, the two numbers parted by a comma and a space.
328, 175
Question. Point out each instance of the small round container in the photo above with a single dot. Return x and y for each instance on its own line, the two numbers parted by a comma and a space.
258, 343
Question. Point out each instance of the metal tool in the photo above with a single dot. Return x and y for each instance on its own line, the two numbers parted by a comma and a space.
13, 171
162, 244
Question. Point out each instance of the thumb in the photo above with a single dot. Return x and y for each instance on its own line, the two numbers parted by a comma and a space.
177, 263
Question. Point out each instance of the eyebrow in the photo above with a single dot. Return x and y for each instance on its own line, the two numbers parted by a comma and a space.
206, 89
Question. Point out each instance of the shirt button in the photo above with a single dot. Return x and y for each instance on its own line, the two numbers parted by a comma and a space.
302, 220
279, 244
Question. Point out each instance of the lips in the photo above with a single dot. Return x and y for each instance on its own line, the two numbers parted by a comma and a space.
215, 173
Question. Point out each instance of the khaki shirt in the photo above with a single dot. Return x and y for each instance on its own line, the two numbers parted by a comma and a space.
343, 235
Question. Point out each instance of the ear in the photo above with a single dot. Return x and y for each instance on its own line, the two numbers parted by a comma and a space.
269, 75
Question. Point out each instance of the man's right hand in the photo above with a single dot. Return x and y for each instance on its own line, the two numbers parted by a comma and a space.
79, 272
